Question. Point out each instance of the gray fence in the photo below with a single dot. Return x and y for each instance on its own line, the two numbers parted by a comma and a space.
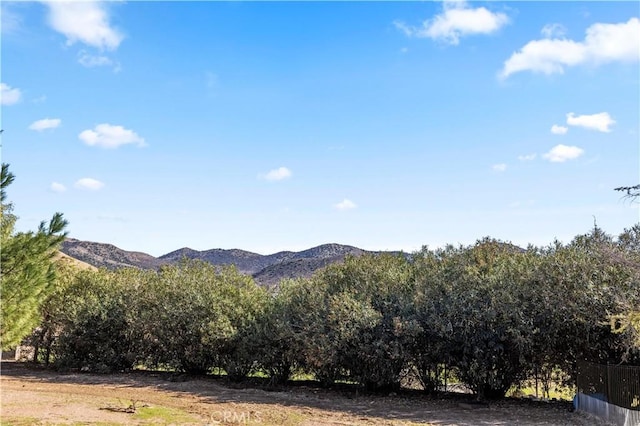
610, 391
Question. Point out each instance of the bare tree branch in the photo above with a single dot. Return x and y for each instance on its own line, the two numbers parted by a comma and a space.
632, 192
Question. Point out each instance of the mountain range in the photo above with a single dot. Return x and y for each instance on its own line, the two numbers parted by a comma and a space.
265, 269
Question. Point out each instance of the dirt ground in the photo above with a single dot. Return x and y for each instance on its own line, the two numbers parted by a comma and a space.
31, 395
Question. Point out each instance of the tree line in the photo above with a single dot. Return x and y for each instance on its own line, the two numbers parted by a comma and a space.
491, 314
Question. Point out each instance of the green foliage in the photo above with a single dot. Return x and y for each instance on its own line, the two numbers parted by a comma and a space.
360, 327
492, 314
188, 317
585, 281
498, 314
94, 328
471, 305
53, 311
627, 321
177, 310
276, 336
159, 415
27, 270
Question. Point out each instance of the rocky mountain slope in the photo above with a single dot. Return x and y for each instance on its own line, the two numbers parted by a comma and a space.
266, 269
246, 261
108, 256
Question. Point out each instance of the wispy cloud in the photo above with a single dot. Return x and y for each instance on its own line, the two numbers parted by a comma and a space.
280, 173
44, 124
600, 122
110, 136
89, 60
456, 20
561, 153
9, 95
10, 21
87, 22
553, 31
57, 187
559, 130
499, 167
603, 43
89, 184
527, 157
345, 204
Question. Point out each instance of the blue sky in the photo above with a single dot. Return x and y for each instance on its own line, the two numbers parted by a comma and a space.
276, 126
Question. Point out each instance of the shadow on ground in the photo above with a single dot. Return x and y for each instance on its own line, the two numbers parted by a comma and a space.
308, 397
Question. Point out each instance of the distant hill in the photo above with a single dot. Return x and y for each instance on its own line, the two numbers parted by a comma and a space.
270, 269
246, 261
304, 263
266, 269
327, 251
108, 256
297, 268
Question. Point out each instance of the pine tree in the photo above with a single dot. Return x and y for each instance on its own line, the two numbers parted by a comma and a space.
27, 272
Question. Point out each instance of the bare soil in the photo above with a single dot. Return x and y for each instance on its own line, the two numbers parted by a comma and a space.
33, 395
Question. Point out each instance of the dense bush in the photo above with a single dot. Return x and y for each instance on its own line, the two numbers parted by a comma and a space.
362, 328
492, 314
276, 335
95, 328
192, 317
473, 312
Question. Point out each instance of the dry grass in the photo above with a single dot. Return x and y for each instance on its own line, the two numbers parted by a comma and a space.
37, 396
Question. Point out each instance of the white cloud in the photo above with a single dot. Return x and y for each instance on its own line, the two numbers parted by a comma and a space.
553, 31
44, 124
277, 174
562, 153
88, 60
559, 130
110, 136
345, 204
603, 43
11, 21
527, 157
407, 30
58, 187
9, 95
84, 21
614, 42
456, 21
600, 122
89, 183
545, 56
499, 167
